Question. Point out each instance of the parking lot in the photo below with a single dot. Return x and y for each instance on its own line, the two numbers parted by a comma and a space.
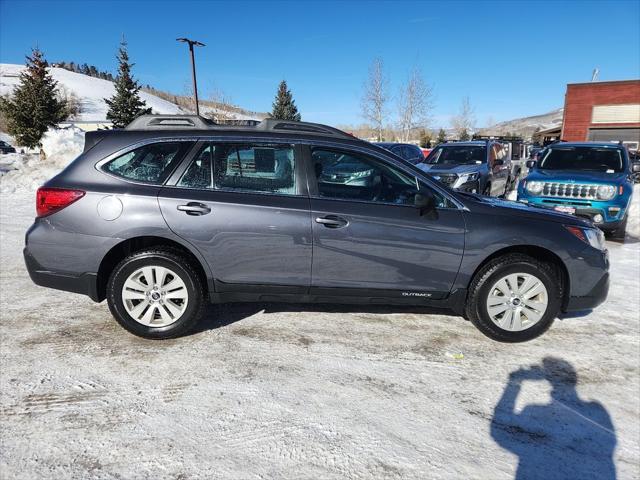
299, 391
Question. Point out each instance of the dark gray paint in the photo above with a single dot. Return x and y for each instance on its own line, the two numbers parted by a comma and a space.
253, 241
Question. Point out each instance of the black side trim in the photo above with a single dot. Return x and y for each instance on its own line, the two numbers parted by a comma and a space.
253, 289
243, 293
85, 283
385, 294
597, 295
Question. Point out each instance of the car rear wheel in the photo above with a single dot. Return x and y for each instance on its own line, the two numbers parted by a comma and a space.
514, 298
156, 294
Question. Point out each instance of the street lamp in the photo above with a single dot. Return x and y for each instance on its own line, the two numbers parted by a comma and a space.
193, 67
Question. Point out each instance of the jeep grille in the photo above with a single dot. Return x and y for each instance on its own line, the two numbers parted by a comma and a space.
569, 190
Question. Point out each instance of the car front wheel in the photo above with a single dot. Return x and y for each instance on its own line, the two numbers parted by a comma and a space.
156, 294
514, 298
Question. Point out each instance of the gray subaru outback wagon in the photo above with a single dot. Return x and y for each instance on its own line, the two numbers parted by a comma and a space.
173, 211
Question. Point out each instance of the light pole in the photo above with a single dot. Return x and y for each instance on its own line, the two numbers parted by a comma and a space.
193, 67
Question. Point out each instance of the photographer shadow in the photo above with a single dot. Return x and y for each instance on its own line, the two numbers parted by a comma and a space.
568, 438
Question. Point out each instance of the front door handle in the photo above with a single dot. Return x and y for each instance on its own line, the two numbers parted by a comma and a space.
332, 221
194, 208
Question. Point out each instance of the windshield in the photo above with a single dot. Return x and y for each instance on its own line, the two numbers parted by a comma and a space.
590, 159
459, 155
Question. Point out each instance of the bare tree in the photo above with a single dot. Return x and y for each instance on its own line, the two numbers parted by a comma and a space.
464, 122
223, 108
376, 97
415, 102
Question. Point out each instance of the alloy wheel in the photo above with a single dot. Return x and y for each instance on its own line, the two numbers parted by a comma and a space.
517, 301
155, 296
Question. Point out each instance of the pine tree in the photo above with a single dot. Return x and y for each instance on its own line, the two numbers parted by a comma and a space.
125, 105
464, 135
425, 139
284, 106
34, 105
442, 136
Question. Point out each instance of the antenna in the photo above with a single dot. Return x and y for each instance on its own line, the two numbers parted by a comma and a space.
594, 75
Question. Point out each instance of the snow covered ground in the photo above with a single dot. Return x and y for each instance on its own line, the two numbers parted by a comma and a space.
298, 391
26, 172
92, 91
276, 391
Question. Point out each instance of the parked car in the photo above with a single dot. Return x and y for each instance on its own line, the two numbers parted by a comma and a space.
175, 211
590, 180
407, 151
477, 167
534, 151
6, 148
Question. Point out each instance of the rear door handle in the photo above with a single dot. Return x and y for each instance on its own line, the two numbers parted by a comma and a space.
332, 221
194, 208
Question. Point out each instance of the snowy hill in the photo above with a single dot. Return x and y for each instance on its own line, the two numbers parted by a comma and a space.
525, 126
90, 91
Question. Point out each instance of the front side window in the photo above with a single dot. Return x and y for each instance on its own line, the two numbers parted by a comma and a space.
252, 168
150, 163
593, 159
352, 176
458, 155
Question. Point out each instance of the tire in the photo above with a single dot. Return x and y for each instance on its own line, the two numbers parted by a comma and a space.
619, 233
523, 267
174, 312
507, 188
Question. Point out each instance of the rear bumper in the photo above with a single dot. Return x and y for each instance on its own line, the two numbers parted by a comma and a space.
85, 283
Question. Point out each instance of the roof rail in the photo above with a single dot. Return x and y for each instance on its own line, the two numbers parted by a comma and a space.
153, 122
195, 122
272, 124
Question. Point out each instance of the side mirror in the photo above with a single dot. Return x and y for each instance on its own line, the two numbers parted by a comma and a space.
424, 203
635, 167
531, 163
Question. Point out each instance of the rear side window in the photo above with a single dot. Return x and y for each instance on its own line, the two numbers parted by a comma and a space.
149, 164
251, 168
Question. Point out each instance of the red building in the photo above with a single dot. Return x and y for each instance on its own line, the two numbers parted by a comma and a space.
603, 111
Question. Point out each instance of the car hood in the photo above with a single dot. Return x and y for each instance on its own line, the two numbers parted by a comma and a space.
572, 176
496, 206
435, 169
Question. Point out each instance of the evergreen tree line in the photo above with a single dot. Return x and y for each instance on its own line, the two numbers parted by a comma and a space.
85, 69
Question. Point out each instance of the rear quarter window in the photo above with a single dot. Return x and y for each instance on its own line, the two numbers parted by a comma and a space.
151, 163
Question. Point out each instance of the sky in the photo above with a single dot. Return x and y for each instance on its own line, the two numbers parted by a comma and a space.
511, 58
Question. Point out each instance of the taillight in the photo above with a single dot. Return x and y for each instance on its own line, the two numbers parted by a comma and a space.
51, 200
